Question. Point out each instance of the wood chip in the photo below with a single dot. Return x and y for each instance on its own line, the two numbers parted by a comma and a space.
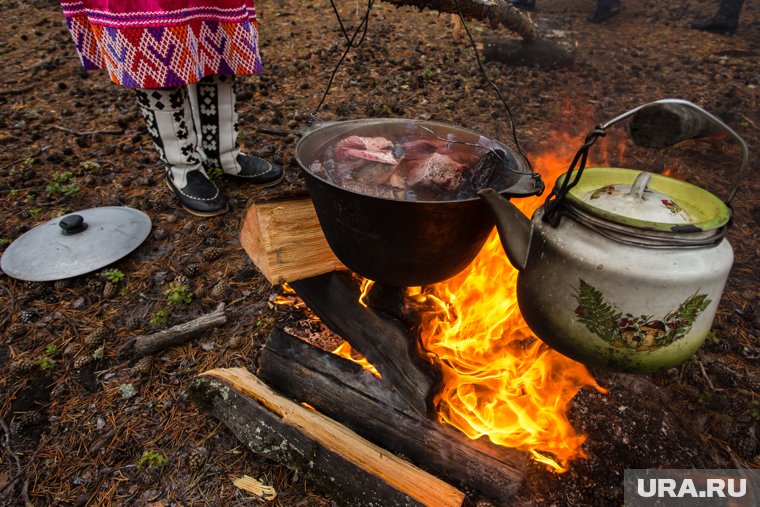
256, 488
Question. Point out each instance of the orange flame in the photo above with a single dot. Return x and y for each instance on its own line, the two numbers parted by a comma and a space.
499, 380
344, 350
365, 288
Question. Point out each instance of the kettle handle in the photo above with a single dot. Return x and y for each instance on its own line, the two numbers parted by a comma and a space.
557, 195
708, 116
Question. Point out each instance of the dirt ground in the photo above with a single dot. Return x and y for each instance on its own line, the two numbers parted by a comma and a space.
74, 431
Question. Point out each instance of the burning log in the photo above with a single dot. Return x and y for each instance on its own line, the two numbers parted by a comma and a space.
334, 298
330, 456
344, 391
493, 12
285, 241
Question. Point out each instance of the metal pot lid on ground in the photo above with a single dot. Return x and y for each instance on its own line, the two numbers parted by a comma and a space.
76, 244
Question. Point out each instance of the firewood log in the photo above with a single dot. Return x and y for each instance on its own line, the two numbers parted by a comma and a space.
332, 458
345, 392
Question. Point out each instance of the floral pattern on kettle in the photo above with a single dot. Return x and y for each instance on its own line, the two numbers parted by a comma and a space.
643, 332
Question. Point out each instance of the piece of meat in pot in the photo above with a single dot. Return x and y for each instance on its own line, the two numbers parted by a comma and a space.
437, 170
377, 149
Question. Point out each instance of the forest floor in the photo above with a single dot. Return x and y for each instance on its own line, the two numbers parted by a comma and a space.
73, 433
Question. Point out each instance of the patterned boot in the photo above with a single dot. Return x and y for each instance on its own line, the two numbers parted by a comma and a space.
170, 123
213, 102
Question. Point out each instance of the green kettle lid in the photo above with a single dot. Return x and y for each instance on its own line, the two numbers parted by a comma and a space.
643, 200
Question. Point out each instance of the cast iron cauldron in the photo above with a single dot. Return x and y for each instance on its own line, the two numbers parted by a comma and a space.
399, 242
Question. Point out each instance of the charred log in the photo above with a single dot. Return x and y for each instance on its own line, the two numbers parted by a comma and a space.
344, 391
334, 298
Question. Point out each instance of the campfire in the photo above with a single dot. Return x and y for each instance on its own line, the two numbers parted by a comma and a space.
457, 381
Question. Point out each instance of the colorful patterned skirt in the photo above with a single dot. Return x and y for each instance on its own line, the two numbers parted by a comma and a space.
164, 43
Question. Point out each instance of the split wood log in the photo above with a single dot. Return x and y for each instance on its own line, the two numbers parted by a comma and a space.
663, 125
339, 462
147, 344
353, 396
284, 240
334, 298
493, 12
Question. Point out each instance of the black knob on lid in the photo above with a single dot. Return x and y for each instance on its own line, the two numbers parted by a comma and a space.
72, 224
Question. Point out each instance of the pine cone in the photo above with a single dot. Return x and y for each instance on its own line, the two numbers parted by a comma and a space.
144, 365
61, 285
203, 230
109, 290
132, 323
30, 418
94, 284
94, 339
29, 315
212, 253
191, 269
751, 380
221, 291
196, 458
744, 445
181, 280
150, 475
82, 361
23, 365
39, 289
235, 342
692, 374
724, 377
200, 292
211, 241
15, 330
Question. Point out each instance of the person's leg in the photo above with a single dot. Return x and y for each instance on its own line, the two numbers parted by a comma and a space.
726, 21
170, 123
605, 9
213, 103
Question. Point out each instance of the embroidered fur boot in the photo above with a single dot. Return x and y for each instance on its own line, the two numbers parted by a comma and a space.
170, 123
213, 102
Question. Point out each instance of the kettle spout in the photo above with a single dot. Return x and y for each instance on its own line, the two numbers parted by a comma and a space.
513, 226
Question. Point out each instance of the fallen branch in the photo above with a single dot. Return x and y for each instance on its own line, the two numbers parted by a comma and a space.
493, 12
6, 444
87, 133
273, 131
11, 306
147, 344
